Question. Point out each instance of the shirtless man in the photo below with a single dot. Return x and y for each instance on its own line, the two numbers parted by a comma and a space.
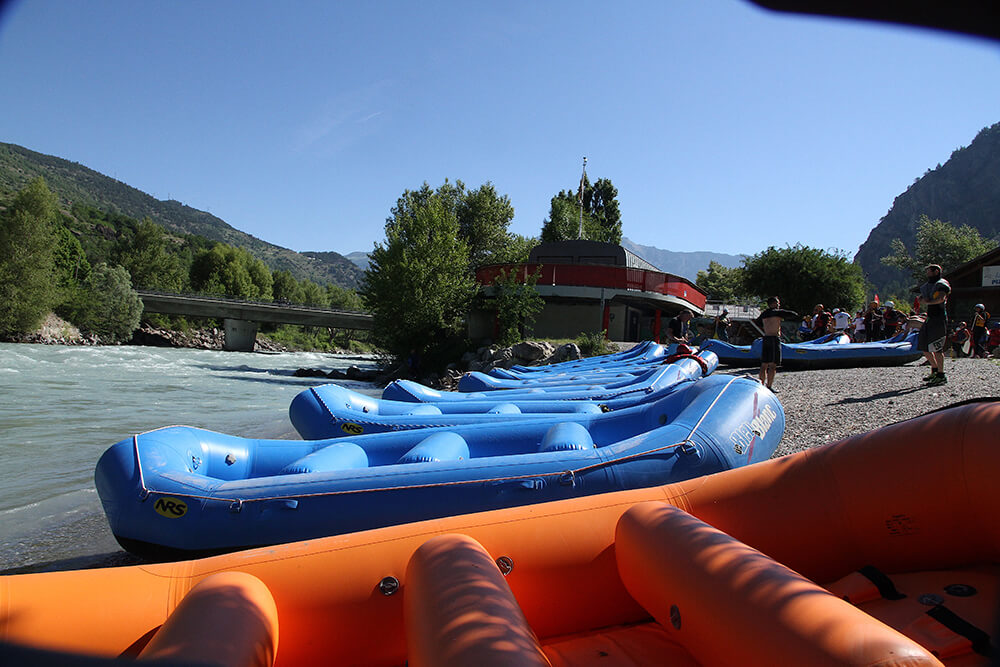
770, 349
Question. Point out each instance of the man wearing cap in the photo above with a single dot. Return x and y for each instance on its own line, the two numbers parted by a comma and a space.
933, 335
841, 320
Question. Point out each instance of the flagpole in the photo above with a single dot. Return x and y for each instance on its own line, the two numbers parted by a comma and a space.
579, 234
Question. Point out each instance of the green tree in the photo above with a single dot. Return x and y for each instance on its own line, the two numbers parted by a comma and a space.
418, 286
27, 240
148, 258
938, 243
343, 298
110, 307
483, 219
233, 272
721, 283
601, 214
516, 302
314, 295
802, 277
285, 288
69, 259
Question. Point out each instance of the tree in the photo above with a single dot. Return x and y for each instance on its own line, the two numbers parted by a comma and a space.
110, 307
938, 243
601, 214
27, 241
483, 219
721, 283
802, 277
233, 272
148, 259
418, 286
343, 298
285, 288
516, 302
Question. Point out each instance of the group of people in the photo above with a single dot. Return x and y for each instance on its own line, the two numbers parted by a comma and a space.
876, 322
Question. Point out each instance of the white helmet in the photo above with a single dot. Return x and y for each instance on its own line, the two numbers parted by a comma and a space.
889, 304
979, 305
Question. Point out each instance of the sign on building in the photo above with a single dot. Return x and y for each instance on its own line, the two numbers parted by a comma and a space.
991, 276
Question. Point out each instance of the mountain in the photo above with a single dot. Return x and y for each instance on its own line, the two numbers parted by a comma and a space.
74, 183
685, 264
965, 190
359, 258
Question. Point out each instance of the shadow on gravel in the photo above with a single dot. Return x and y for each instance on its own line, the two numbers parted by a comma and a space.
874, 397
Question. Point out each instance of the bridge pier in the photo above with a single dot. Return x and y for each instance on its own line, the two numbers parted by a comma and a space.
240, 335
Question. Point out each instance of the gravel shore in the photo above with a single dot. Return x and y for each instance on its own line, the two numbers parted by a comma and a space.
827, 405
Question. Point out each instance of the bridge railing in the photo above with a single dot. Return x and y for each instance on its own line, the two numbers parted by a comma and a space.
238, 300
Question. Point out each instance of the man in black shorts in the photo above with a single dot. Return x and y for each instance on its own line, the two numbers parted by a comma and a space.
770, 350
933, 336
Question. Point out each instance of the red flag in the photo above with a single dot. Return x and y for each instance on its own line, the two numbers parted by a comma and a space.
916, 304
876, 297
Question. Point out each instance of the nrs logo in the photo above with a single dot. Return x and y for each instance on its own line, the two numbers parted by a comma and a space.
352, 429
172, 508
744, 434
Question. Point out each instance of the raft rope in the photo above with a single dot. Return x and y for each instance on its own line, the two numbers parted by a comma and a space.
567, 477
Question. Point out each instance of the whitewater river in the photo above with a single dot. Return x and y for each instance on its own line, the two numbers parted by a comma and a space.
61, 407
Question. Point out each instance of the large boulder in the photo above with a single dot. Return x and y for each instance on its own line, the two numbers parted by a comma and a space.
566, 352
531, 350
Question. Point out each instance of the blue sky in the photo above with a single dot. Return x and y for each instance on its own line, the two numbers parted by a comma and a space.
724, 127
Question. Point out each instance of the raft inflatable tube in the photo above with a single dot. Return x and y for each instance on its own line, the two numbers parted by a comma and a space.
882, 549
835, 352
644, 351
331, 411
616, 376
414, 392
181, 490
896, 351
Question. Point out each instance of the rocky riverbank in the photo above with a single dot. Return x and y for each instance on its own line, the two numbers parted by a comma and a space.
824, 406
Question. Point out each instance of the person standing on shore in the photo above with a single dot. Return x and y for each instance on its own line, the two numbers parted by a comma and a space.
933, 337
979, 319
722, 325
770, 350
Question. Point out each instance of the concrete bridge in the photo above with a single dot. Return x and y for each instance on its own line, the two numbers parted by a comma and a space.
241, 318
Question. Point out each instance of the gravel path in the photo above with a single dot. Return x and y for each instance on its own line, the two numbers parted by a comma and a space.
827, 405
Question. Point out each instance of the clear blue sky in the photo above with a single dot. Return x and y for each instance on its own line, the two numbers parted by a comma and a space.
724, 127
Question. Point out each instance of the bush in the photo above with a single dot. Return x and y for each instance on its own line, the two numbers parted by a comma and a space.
106, 305
593, 344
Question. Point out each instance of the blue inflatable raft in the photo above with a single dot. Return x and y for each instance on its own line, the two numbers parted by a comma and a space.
835, 351
182, 491
331, 411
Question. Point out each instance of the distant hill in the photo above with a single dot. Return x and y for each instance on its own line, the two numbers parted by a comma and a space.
74, 183
965, 190
359, 258
685, 264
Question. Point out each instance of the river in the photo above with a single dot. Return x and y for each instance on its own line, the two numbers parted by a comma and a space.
61, 407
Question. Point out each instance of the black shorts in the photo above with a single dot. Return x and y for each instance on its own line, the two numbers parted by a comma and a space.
770, 350
933, 335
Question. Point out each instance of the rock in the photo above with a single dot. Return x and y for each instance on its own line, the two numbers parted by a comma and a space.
337, 374
309, 373
469, 356
530, 350
475, 366
502, 354
359, 375
567, 352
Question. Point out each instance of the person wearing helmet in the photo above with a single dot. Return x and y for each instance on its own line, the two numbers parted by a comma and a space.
841, 320
892, 319
979, 319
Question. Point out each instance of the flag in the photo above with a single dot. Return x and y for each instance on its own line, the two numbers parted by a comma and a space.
876, 297
916, 304
579, 196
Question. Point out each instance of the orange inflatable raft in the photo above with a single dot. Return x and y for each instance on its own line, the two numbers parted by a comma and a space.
878, 550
